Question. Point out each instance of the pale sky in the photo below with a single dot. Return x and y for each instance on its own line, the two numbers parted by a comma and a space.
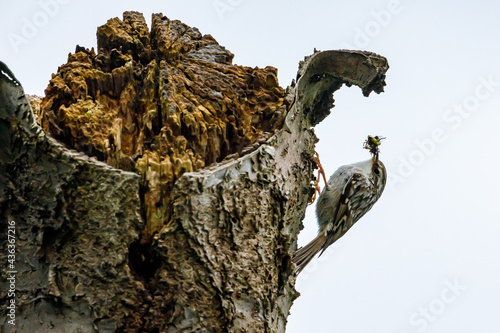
425, 258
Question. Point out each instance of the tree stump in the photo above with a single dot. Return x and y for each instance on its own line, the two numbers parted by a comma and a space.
172, 192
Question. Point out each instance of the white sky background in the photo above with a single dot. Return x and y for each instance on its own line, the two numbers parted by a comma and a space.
426, 257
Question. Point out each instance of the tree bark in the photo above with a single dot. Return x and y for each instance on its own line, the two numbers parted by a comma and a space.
219, 263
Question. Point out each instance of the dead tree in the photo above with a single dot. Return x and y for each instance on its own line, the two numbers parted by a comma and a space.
168, 234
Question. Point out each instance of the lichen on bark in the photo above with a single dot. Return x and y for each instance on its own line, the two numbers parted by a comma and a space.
159, 103
198, 237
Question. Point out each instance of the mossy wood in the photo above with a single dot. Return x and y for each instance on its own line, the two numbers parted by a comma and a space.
164, 187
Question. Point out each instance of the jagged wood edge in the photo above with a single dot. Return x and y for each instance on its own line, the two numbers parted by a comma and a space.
48, 190
283, 159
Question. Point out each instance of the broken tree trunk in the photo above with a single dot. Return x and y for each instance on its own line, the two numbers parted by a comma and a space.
217, 257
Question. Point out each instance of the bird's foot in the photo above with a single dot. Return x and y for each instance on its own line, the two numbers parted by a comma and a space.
317, 191
321, 172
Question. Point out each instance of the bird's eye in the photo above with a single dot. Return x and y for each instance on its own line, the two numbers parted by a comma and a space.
377, 171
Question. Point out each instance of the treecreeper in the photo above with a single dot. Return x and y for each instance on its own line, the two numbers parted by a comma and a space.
349, 194
157, 186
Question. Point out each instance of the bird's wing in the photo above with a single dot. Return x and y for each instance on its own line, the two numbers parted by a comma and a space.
343, 219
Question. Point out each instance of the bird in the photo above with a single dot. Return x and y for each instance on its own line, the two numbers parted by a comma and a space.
350, 193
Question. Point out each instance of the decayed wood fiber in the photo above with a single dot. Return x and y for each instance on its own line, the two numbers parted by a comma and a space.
221, 179
159, 103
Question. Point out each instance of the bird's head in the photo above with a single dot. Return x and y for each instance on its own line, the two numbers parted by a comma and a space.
378, 172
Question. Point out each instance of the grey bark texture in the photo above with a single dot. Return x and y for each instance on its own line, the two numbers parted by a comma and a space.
227, 250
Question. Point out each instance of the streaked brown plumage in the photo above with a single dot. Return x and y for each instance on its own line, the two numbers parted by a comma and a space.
352, 191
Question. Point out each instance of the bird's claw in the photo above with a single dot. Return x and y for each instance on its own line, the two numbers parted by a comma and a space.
316, 191
321, 172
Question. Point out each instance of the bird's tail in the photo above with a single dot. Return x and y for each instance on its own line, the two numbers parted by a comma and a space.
304, 255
